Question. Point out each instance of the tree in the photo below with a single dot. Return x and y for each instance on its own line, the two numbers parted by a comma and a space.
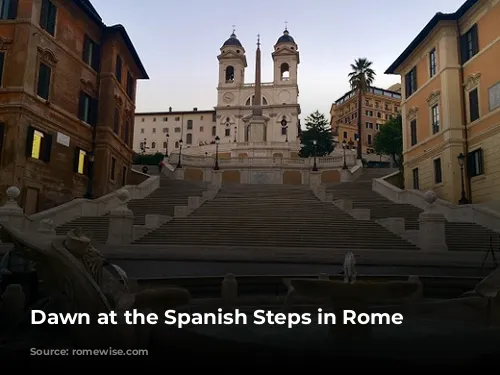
360, 79
389, 140
317, 128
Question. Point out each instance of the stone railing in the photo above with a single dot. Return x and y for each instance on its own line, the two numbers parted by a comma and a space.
468, 213
91, 207
305, 163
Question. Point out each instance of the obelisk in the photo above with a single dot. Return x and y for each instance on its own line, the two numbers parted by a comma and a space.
257, 122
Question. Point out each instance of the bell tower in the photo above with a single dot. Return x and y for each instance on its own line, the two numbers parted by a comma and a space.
286, 60
232, 63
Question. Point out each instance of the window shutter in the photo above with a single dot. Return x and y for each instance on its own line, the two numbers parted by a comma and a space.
51, 19
473, 105
29, 140
93, 111
2, 133
13, 10
118, 69
2, 58
81, 106
47, 147
407, 85
414, 76
86, 164
43, 81
86, 48
116, 125
470, 165
480, 160
44, 13
475, 39
76, 159
463, 48
96, 57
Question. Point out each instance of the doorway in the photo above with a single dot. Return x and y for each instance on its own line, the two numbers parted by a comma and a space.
31, 201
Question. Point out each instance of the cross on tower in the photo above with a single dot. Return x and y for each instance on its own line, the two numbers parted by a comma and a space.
234, 28
286, 25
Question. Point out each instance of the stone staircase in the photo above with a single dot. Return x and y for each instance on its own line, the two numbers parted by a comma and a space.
459, 236
273, 216
162, 201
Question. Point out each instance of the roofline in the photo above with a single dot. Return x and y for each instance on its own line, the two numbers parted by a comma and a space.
172, 113
438, 17
91, 12
372, 87
123, 33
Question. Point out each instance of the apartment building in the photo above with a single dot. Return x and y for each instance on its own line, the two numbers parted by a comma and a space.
451, 105
378, 106
162, 131
67, 88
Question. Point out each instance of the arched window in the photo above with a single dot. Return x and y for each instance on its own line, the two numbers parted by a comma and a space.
164, 144
264, 101
229, 74
285, 72
247, 103
177, 144
214, 131
251, 100
189, 138
190, 124
153, 145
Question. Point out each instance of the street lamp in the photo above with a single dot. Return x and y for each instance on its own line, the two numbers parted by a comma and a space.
166, 148
235, 130
461, 160
216, 166
315, 167
179, 165
344, 146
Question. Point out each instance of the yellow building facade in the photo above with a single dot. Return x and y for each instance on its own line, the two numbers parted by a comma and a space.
450, 77
378, 106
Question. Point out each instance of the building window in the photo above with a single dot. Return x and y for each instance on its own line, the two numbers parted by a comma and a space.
387, 107
201, 118
2, 60
369, 139
154, 119
369, 113
214, 131
475, 165
413, 132
190, 124
38, 144
177, 130
112, 172
414, 173
48, 17
91, 53
142, 119
435, 119
377, 126
438, 174
165, 145
165, 130
43, 87
345, 135
411, 82
130, 85
379, 115
126, 133
8, 9
176, 144
432, 63
153, 130
177, 118
227, 132
118, 69
189, 139
142, 131
283, 130
80, 161
116, 123
214, 117
473, 105
153, 145
201, 129
469, 44
165, 119
87, 109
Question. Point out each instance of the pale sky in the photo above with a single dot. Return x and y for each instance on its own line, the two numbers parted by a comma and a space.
178, 42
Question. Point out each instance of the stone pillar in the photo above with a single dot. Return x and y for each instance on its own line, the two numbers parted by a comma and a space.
10, 212
217, 178
314, 180
121, 222
432, 226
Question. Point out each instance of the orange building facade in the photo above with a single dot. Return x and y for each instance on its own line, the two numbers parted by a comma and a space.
67, 94
451, 104
378, 106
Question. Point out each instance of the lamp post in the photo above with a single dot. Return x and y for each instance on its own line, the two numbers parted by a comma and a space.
179, 165
461, 160
235, 130
216, 166
315, 167
166, 148
344, 145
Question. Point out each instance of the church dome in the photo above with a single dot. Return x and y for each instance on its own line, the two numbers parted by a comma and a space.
285, 38
232, 41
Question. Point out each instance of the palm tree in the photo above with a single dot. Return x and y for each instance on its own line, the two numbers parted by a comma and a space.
360, 79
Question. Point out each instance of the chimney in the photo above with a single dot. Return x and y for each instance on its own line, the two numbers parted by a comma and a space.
195, 109
170, 109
